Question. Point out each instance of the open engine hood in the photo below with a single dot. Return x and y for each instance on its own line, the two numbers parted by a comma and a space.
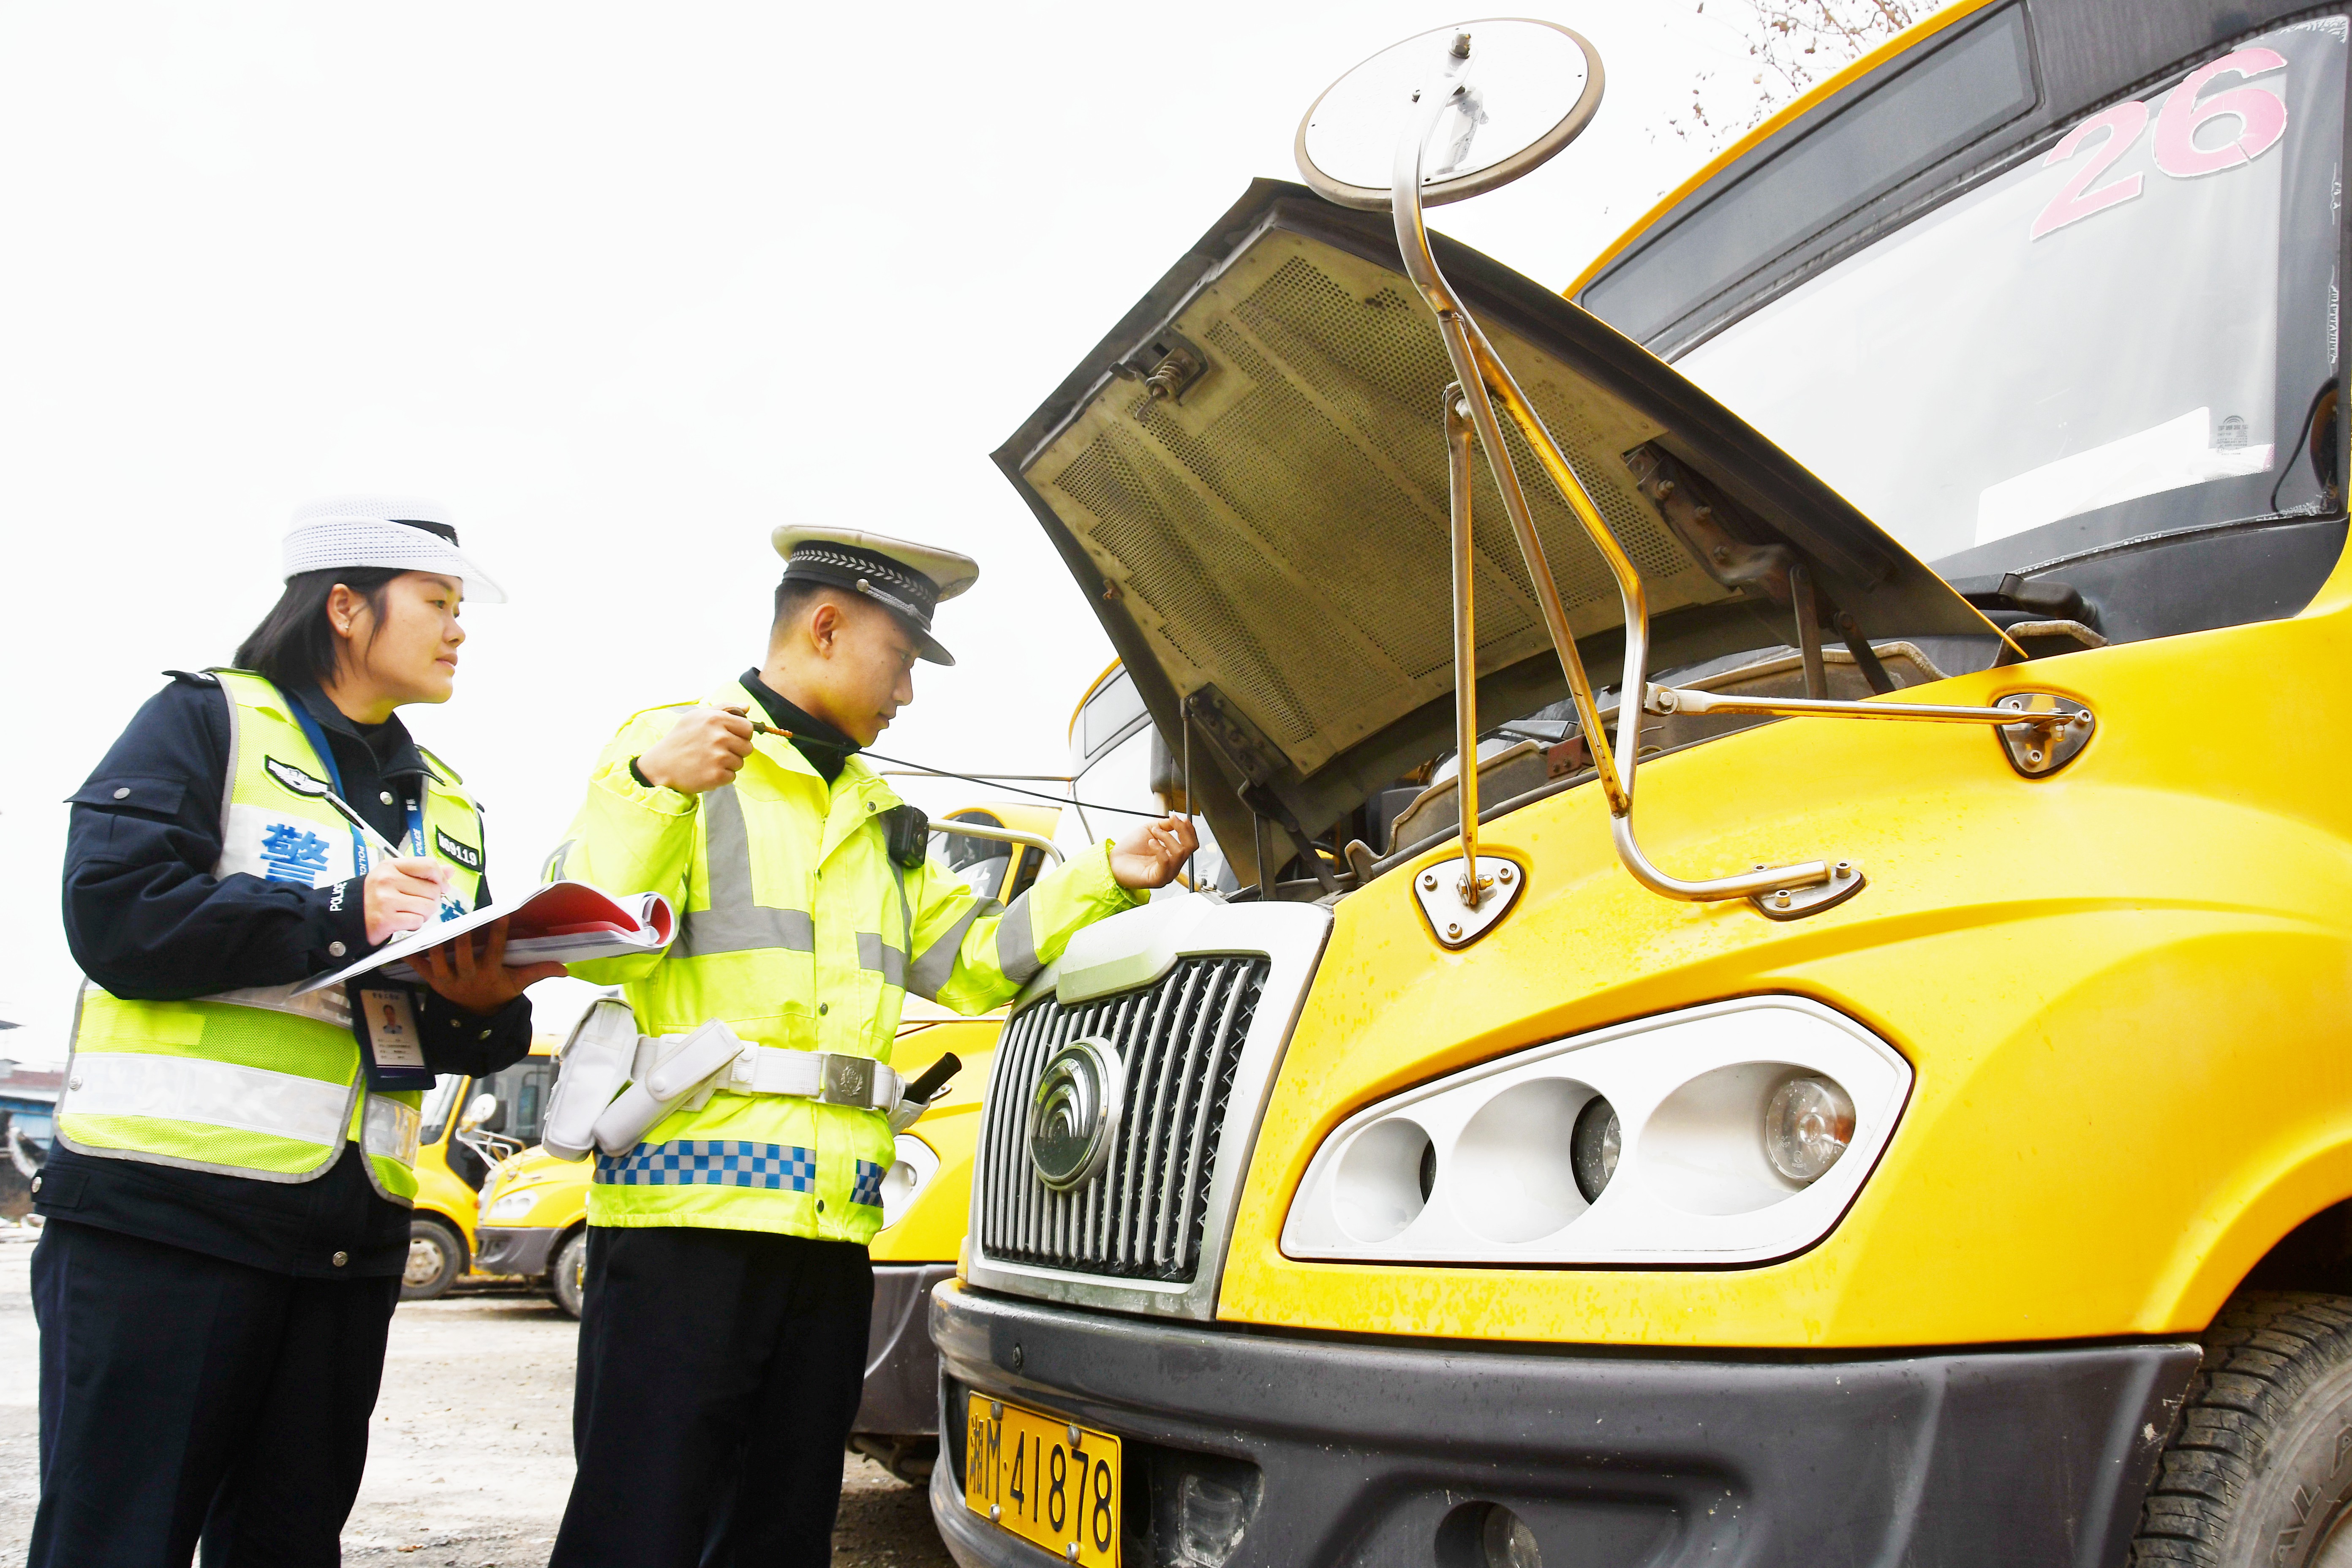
1268, 544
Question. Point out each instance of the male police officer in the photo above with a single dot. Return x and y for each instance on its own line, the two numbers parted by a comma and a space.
727, 1294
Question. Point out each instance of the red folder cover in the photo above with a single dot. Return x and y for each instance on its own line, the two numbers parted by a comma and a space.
569, 922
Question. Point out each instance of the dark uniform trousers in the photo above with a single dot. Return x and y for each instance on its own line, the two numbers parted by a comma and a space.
718, 1374
183, 1394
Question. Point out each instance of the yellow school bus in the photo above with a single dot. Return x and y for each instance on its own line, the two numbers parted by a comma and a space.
1122, 768
460, 1146
1921, 1141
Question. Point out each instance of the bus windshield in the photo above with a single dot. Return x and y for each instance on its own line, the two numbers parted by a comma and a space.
440, 1104
2124, 335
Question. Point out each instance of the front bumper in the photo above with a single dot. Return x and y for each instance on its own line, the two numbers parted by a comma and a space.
1360, 1451
902, 1371
513, 1249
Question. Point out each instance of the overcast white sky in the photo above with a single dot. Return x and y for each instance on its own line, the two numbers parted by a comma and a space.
625, 286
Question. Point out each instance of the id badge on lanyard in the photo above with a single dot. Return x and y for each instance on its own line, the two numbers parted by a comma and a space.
386, 1016
387, 1019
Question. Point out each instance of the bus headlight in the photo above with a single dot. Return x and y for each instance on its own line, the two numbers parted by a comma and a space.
512, 1205
1733, 1132
1807, 1125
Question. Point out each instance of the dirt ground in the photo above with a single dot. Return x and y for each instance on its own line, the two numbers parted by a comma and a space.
471, 1457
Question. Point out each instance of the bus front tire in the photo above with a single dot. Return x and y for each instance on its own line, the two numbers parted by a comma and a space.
2259, 1469
435, 1258
569, 1277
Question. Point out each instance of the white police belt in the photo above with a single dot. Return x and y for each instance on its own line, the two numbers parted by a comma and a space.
826, 1077
664, 1072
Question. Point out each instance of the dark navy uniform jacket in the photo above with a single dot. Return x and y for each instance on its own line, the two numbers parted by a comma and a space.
146, 919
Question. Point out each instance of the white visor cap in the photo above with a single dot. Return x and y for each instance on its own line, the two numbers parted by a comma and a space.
376, 531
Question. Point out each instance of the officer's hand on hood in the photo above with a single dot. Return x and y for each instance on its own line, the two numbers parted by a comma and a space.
1151, 855
701, 751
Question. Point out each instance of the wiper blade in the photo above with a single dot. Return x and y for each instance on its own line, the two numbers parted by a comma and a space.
2045, 598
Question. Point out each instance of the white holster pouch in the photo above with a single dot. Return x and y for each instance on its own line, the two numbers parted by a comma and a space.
661, 1072
669, 1069
596, 1059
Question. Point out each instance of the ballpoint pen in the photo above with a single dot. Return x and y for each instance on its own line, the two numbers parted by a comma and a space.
758, 728
376, 841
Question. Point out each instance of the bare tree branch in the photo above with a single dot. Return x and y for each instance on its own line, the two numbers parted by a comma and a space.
1795, 44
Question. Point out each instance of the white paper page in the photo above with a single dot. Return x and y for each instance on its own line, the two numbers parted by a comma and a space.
576, 949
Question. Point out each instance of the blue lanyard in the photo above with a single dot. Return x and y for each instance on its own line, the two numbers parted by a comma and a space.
318, 738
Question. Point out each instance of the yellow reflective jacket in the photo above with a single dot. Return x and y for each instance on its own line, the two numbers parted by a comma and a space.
795, 930
259, 1083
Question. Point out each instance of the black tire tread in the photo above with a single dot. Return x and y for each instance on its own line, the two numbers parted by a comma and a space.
2263, 1348
453, 1245
555, 1269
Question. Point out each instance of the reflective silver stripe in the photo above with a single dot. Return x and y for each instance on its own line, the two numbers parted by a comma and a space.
218, 1094
931, 971
705, 932
388, 1128
1016, 947
332, 1005
734, 922
873, 952
905, 910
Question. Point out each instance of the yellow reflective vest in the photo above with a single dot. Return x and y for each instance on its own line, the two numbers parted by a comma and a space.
258, 1083
798, 930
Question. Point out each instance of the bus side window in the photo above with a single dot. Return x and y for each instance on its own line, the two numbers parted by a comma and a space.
1025, 866
528, 1080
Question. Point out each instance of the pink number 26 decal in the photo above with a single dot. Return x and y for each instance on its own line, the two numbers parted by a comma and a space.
2076, 201
2260, 114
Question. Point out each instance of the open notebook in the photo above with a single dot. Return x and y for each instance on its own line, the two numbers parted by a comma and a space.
568, 922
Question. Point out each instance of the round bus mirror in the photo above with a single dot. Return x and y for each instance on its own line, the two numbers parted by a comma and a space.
478, 1110
1529, 88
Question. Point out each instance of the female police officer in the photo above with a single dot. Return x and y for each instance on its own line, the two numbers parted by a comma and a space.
226, 1206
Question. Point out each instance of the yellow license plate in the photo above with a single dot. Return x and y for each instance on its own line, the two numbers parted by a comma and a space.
1047, 1481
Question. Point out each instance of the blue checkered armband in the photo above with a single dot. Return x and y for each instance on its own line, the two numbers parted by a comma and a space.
721, 1163
869, 1189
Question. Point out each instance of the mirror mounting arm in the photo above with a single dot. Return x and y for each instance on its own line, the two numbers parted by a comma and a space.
1484, 378
1473, 888
2040, 731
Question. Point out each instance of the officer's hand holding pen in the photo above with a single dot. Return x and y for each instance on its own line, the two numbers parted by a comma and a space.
400, 895
702, 750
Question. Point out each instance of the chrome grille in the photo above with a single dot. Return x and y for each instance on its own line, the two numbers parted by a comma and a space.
1142, 1216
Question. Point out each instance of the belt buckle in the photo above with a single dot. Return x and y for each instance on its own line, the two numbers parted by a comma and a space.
845, 1080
